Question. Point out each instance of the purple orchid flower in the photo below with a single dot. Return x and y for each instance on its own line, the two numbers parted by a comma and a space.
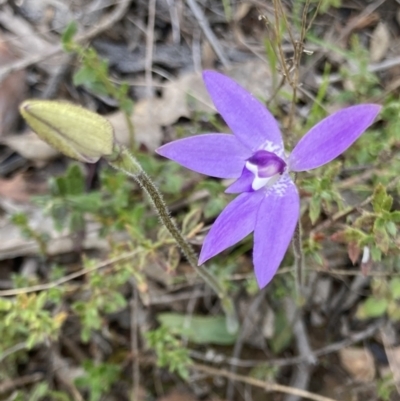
268, 203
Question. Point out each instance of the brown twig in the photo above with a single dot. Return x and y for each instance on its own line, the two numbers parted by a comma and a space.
248, 321
150, 46
134, 342
69, 277
259, 383
9, 385
280, 362
201, 19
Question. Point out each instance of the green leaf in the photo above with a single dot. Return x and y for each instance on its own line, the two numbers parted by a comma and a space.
199, 329
395, 216
391, 228
68, 34
372, 308
126, 105
381, 236
283, 333
5, 304
315, 208
381, 200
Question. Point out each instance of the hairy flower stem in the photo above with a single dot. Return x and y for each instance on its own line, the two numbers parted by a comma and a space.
125, 162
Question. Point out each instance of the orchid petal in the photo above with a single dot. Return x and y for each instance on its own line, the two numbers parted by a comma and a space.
332, 136
216, 155
242, 184
246, 116
276, 220
235, 222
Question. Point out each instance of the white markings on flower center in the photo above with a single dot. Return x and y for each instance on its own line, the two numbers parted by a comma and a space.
273, 148
266, 167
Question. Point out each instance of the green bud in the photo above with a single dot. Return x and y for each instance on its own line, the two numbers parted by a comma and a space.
74, 131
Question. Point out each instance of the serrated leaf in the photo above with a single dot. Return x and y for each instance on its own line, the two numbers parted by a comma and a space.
381, 201
198, 329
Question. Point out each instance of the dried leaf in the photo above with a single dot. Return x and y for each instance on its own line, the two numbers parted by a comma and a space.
358, 362
354, 252
31, 147
380, 42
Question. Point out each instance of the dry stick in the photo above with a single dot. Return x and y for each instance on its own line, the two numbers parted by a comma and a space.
173, 12
9, 385
344, 32
302, 373
57, 78
134, 342
255, 304
150, 46
201, 19
69, 277
260, 384
106, 23
280, 362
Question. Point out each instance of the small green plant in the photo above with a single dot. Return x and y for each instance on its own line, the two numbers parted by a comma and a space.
21, 220
28, 318
68, 200
98, 378
323, 192
169, 351
385, 300
377, 229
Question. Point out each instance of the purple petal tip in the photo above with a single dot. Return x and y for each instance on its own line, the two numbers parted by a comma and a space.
332, 136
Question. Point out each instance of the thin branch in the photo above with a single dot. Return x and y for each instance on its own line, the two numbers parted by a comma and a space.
259, 383
69, 277
201, 19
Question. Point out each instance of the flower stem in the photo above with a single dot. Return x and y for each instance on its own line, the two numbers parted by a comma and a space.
124, 161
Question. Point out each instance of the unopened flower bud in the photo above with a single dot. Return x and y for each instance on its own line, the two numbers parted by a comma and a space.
74, 131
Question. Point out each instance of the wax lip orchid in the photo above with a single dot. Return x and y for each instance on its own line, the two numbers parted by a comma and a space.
268, 203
